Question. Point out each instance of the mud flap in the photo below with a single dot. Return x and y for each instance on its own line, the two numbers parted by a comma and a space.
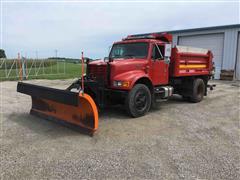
73, 109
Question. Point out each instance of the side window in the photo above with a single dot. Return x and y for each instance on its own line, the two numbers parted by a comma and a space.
158, 52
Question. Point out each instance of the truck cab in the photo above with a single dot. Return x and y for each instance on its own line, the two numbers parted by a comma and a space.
134, 58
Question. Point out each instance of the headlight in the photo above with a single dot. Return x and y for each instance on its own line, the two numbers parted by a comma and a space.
121, 83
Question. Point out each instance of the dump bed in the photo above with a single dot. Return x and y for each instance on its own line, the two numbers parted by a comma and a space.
189, 61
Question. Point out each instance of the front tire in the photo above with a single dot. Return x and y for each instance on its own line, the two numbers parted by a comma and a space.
138, 101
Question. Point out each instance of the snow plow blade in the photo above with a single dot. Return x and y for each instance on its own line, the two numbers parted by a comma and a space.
76, 110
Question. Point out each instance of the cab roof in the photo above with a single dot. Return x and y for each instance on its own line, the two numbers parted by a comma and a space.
139, 40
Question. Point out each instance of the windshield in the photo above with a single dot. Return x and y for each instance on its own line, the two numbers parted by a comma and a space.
129, 50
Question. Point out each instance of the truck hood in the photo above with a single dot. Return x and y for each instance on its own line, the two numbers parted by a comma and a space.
126, 65
122, 65
120, 62
98, 62
128, 70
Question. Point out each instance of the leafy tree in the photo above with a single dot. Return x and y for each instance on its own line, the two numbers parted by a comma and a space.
2, 54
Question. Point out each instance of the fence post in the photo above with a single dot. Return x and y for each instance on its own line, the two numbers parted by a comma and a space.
64, 67
17, 73
23, 70
5, 68
20, 67
35, 67
43, 67
26, 71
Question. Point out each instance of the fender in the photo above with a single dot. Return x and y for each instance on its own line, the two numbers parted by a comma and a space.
131, 76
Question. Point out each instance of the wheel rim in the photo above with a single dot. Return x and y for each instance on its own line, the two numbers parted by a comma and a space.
140, 101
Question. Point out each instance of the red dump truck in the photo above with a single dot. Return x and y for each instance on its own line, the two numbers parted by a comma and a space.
139, 71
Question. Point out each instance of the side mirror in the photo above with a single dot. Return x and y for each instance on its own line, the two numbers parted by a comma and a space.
167, 53
87, 61
167, 60
168, 50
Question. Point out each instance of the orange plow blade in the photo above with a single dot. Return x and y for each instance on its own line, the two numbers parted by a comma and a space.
73, 109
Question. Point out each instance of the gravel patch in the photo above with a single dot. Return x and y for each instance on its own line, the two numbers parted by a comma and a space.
178, 140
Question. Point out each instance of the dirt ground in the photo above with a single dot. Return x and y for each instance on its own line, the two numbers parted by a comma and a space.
179, 140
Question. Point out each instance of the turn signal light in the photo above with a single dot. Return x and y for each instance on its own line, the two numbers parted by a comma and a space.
121, 83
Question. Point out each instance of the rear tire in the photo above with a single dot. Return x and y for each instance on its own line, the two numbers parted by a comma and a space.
138, 101
198, 90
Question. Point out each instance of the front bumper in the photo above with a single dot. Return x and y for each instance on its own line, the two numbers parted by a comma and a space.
101, 94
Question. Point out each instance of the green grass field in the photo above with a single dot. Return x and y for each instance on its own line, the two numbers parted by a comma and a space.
55, 71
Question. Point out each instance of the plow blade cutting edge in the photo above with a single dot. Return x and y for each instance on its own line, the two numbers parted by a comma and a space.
76, 110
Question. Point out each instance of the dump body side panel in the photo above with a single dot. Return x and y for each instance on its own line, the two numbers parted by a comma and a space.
190, 63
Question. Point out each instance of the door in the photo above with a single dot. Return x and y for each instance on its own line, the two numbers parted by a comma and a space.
159, 66
213, 42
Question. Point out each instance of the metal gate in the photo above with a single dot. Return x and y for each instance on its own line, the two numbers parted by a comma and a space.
30, 68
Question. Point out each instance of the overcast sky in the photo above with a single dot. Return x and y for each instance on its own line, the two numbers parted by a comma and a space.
92, 27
